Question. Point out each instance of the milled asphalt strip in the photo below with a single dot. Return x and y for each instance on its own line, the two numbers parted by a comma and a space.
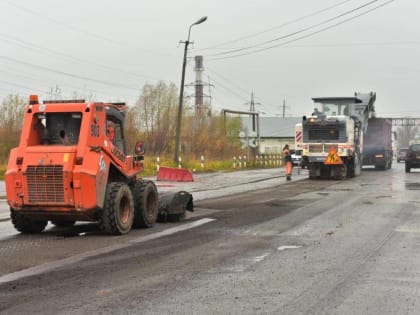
36, 270
239, 184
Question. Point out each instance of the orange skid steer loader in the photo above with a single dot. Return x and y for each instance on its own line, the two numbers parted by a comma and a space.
68, 168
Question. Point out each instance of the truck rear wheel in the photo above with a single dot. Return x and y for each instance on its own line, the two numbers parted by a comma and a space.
27, 225
118, 212
145, 203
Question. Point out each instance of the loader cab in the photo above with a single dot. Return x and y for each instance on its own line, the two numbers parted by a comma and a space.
56, 128
114, 128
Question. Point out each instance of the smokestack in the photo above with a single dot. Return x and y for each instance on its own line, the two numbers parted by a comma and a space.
199, 95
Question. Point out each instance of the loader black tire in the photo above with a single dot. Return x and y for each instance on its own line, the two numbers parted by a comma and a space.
27, 225
63, 223
118, 211
145, 204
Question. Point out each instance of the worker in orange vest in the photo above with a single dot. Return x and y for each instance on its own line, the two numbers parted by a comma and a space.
110, 132
287, 162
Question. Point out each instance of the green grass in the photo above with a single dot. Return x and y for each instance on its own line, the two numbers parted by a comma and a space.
150, 166
2, 171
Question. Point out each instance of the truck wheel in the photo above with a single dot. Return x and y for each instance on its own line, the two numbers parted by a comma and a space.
118, 212
407, 168
63, 223
26, 225
145, 204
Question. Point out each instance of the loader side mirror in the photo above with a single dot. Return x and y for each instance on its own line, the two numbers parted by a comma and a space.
139, 148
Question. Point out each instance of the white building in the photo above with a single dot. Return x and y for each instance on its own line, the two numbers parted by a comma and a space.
274, 132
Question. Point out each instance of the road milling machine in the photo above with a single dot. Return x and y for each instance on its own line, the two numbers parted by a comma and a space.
332, 137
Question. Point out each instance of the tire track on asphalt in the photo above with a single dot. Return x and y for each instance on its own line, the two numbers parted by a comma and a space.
53, 265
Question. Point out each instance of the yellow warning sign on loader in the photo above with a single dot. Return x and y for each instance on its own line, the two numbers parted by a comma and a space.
333, 158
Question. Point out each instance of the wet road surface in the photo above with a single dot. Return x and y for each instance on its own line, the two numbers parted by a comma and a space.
308, 247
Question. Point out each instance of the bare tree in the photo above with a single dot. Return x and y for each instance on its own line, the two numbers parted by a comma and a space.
153, 119
153, 116
11, 119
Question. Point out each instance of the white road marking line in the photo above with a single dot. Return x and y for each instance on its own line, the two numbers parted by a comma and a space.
77, 258
260, 258
288, 247
173, 230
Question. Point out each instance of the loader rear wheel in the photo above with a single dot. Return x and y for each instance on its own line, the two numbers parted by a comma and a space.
118, 212
27, 225
145, 203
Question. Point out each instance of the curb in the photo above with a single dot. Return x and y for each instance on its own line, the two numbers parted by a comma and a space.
4, 218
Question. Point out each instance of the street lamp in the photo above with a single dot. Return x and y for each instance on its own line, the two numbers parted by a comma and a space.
181, 93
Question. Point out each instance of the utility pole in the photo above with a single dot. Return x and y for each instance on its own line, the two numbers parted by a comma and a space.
284, 107
181, 92
252, 110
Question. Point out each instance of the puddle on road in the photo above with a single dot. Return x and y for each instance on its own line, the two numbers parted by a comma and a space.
289, 204
380, 197
322, 194
339, 189
412, 186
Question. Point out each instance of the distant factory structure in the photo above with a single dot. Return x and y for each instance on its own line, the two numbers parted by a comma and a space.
201, 106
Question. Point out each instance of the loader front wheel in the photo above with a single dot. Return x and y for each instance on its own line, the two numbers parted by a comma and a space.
27, 225
118, 212
145, 203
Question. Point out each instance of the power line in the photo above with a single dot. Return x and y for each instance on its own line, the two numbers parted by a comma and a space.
25, 76
276, 27
298, 31
237, 87
20, 86
26, 44
357, 44
79, 30
69, 74
304, 36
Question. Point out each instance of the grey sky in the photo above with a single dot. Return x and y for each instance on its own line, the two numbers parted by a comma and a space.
113, 48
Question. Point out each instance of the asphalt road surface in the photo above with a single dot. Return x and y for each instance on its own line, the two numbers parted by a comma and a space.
305, 247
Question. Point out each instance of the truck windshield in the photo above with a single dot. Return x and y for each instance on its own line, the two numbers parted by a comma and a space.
332, 109
57, 128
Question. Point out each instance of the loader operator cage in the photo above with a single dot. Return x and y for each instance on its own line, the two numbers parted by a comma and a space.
116, 119
58, 128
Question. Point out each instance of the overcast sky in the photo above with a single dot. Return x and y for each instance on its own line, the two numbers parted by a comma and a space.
289, 50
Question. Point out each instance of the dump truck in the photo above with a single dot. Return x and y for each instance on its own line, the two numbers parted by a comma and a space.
71, 165
333, 135
377, 146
